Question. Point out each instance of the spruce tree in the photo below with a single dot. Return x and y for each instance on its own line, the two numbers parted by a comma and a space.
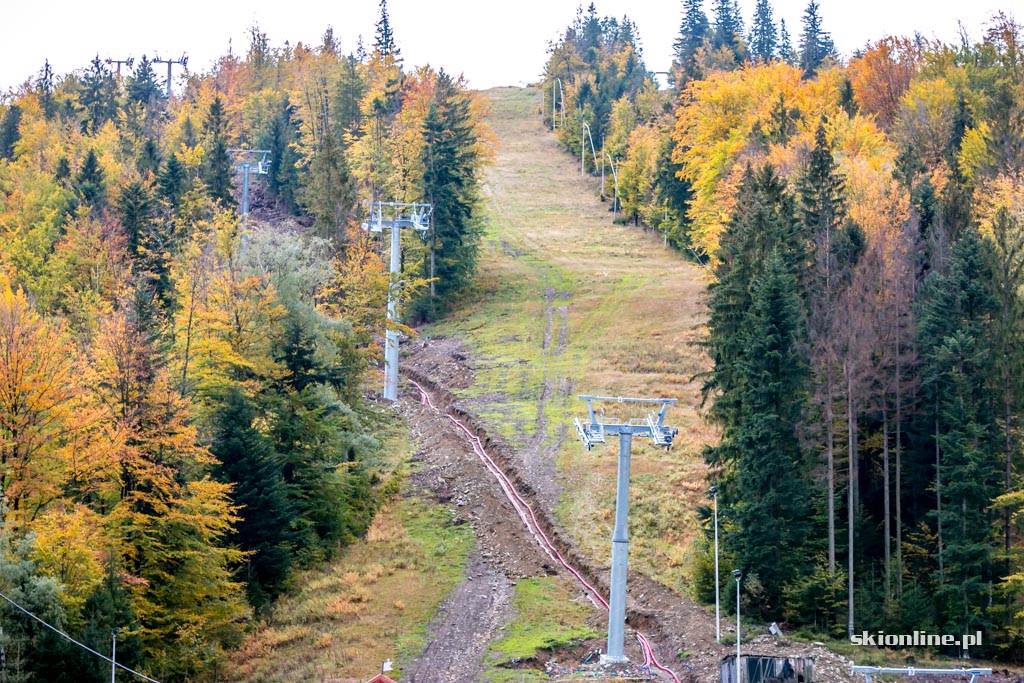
279, 137
137, 207
815, 43
171, 181
98, 96
247, 461
786, 52
9, 134
772, 483
692, 34
763, 38
216, 169
955, 315
728, 25
89, 182
143, 86
451, 166
384, 42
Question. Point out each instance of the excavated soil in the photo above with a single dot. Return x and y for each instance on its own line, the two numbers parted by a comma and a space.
507, 551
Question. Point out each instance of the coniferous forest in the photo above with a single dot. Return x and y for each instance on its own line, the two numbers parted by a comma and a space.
183, 423
862, 225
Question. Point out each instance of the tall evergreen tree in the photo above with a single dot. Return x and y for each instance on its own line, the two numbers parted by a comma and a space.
9, 131
279, 138
692, 34
451, 167
171, 181
143, 86
772, 483
815, 43
954, 333
89, 183
763, 36
98, 96
247, 461
728, 25
786, 52
823, 208
216, 169
384, 42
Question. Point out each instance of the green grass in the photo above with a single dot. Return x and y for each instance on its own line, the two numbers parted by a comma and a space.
547, 618
374, 602
634, 313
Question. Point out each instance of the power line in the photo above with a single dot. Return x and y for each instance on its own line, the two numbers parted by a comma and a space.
81, 645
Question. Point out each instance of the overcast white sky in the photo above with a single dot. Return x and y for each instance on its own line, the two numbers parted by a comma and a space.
492, 42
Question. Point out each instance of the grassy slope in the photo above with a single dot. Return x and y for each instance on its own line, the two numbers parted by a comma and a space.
372, 603
633, 314
635, 310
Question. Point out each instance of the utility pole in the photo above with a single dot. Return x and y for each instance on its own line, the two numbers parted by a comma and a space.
403, 215
183, 61
592, 432
127, 62
250, 161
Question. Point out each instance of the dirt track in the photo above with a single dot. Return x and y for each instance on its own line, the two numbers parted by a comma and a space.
507, 552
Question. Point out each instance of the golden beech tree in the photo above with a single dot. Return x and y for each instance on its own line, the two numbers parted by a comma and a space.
170, 521
52, 441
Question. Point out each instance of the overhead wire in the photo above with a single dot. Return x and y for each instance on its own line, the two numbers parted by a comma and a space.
81, 645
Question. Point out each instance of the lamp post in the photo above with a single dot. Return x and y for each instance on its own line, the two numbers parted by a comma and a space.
738, 574
713, 492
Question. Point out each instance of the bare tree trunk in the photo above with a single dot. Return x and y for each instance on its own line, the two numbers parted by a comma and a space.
831, 450
938, 492
899, 479
885, 484
851, 512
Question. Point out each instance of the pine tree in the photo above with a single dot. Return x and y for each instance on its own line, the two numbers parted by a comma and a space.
692, 33
763, 40
815, 43
216, 170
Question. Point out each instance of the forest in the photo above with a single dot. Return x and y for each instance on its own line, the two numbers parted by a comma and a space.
183, 417
862, 226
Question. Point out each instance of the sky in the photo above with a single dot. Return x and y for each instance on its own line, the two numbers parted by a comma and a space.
490, 42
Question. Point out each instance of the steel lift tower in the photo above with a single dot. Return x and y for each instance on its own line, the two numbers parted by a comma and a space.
250, 161
183, 61
592, 432
402, 215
